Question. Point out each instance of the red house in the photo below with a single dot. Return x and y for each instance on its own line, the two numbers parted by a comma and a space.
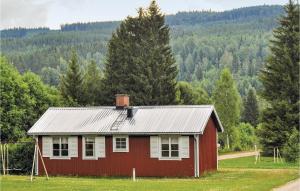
172, 141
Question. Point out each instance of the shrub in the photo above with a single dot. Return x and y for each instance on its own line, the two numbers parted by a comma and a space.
245, 137
291, 148
20, 156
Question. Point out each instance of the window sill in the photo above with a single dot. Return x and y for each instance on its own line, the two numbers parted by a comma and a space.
120, 150
60, 158
168, 158
89, 158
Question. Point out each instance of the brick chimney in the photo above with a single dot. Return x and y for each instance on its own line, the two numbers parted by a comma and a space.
122, 101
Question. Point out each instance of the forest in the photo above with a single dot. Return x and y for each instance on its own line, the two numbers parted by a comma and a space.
238, 60
202, 42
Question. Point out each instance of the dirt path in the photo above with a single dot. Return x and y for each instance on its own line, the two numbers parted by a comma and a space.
236, 155
290, 186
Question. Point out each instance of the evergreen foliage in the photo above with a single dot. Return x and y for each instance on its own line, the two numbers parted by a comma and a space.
71, 84
140, 62
188, 95
93, 85
291, 148
251, 110
280, 79
198, 39
227, 102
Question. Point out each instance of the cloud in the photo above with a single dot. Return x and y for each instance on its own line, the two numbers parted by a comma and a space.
23, 13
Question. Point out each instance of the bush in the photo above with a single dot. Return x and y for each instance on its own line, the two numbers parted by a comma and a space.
20, 156
245, 137
291, 148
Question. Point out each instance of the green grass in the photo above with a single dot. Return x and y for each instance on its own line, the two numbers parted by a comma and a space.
264, 163
226, 179
234, 174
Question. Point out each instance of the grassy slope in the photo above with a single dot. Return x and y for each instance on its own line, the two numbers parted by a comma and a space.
229, 178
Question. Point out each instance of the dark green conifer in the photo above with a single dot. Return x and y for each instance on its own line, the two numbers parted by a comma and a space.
140, 62
280, 79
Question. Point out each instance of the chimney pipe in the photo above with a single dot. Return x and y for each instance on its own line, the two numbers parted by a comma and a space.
129, 112
122, 101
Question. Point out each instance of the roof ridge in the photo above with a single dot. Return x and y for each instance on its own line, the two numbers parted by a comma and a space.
137, 107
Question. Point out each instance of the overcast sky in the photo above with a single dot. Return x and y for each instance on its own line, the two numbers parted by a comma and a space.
53, 13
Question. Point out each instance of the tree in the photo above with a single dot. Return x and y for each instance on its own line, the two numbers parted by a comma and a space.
227, 102
14, 101
291, 148
246, 137
251, 110
50, 76
280, 80
191, 95
23, 100
42, 96
71, 83
140, 61
226, 60
93, 84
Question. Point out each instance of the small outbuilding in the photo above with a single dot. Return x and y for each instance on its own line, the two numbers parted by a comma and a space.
157, 141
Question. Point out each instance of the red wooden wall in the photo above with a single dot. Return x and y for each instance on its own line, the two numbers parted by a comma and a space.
121, 164
208, 148
138, 157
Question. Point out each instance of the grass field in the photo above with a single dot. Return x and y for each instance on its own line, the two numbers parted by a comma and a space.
234, 174
264, 163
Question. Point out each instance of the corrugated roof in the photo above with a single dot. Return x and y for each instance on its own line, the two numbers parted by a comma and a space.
146, 120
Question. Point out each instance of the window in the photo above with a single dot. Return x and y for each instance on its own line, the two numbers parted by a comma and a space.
89, 147
169, 147
121, 144
60, 146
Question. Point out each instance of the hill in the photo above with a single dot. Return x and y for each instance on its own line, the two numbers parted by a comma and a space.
203, 43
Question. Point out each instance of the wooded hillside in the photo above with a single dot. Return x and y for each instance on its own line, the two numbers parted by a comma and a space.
203, 43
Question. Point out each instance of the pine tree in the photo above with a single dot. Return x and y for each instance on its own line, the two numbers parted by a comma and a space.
71, 84
280, 79
140, 61
227, 102
93, 84
251, 111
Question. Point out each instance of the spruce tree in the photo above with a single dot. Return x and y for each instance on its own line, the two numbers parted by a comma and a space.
140, 62
71, 83
251, 112
92, 84
280, 79
227, 103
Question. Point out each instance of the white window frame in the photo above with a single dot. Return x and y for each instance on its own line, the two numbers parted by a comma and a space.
115, 149
60, 149
160, 148
94, 157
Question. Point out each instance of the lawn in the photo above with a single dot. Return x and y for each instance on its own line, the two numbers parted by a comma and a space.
229, 177
264, 163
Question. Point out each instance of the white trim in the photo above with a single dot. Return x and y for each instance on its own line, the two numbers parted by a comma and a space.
169, 158
47, 145
60, 149
196, 155
60, 158
37, 159
84, 157
184, 146
73, 146
165, 158
154, 147
217, 150
114, 143
94, 157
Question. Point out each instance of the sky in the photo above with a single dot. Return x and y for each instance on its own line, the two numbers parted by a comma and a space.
53, 13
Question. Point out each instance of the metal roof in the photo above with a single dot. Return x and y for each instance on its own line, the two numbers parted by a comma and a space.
146, 120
